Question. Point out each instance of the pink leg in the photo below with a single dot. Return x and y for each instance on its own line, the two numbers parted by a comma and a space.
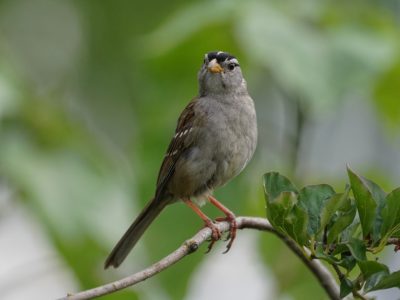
216, 234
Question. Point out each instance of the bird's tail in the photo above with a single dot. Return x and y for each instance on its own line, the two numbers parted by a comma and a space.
134, 232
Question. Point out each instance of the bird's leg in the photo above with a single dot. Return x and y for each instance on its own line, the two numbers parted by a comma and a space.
215, 233
230, 218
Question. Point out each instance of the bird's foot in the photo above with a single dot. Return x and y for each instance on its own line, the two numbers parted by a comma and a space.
215, 234
231, 219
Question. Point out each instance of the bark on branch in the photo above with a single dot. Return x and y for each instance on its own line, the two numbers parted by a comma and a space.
324, 277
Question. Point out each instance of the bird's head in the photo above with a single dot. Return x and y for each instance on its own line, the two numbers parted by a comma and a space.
220, 73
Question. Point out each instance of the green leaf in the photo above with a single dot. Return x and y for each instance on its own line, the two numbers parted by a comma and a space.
331, 206
370, 267
280, 207
354, 230
373, 273
345, 217
275, 183
341, 249
313, 199
387, 282
380, 199
357, 249
281, 196
287, 217
369, 199
373, 280
391, 212
320, 254
346, 287
348, 262
296, 225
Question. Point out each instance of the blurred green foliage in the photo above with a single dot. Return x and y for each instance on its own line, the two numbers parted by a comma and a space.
90, 91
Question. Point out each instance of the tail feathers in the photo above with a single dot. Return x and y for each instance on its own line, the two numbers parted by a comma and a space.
134, 232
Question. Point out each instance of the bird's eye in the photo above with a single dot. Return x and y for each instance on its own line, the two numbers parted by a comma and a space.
232, 66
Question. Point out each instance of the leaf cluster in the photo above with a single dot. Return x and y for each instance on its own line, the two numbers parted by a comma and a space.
344, 229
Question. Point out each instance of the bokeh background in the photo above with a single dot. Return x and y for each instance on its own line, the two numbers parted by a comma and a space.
89, 95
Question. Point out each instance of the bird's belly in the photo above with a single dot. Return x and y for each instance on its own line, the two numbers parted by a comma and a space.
205, 167
228, 167
199, 173
231, 158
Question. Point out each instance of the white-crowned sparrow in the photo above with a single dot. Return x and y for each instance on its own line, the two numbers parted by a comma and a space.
215, 138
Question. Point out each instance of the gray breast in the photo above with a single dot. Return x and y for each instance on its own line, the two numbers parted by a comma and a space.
222, 142
233, 129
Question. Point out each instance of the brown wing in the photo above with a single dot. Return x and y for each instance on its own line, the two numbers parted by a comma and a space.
177, 146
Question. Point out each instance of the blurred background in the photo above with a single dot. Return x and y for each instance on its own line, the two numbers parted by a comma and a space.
90, 92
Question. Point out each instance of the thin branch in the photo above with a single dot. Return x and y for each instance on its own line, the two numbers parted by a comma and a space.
316, 267
357, 295
338, 272
341, 277
394, 241
321, 273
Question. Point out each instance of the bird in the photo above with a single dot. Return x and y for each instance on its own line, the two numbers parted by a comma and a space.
214, 140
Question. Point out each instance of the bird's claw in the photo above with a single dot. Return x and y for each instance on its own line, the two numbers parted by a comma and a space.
215, 235
231, 219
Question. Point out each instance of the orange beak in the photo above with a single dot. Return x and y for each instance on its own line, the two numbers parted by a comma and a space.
214, 66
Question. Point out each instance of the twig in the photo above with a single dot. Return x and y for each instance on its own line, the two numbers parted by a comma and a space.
338, 272
341, 276
321, 273
394, 241
357, 295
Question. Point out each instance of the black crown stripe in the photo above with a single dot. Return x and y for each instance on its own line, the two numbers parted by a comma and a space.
220, 56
